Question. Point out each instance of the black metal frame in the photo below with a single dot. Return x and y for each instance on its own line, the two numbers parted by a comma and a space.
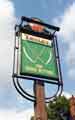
16, 77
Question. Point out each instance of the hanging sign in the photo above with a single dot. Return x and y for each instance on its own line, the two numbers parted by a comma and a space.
37, 57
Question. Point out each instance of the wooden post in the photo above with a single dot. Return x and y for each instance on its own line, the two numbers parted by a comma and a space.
39, 105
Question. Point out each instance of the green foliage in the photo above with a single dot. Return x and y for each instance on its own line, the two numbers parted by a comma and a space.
58, 109
32, 118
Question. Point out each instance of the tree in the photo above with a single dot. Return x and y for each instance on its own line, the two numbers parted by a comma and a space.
32, 118
58, 109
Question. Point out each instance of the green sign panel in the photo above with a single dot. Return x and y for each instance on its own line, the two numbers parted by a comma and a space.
37, 57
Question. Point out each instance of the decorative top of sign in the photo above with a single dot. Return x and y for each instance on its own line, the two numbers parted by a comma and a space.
36, 27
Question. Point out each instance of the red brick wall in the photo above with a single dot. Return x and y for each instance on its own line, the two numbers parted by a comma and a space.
72, 107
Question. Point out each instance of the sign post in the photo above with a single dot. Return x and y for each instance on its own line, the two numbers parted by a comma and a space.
36, 58
39, 105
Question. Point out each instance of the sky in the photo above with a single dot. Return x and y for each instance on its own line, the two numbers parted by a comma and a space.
56, 12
